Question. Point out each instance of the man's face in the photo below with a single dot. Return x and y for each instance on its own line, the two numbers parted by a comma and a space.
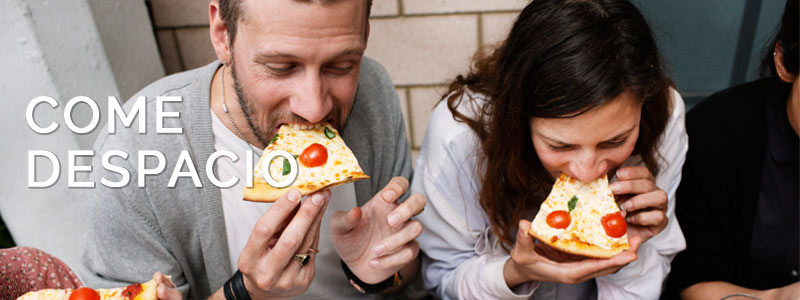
296, 62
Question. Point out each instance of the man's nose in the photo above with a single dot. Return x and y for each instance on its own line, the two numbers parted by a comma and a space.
587, 167
312, 101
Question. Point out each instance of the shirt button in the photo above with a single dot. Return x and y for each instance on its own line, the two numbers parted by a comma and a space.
794, 273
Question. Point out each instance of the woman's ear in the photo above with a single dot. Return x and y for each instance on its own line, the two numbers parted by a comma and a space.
777, 56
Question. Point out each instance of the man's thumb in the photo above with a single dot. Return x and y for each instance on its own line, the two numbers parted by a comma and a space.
342, 222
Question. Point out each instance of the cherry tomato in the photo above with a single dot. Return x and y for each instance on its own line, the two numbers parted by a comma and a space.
314, 155
558, 219
84, 293
614, 225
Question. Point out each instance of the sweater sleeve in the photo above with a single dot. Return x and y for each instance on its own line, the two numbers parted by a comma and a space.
642, 278
459, 260
123, 244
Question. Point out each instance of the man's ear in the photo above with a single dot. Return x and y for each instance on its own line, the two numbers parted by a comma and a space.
218, 31
366, 33
777, 56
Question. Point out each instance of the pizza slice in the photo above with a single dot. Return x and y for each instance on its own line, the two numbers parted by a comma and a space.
136, 291
581, 218
322, 160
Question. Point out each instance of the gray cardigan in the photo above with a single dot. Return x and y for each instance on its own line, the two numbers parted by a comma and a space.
180, 231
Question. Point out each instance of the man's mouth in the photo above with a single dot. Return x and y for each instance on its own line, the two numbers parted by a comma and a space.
305, 125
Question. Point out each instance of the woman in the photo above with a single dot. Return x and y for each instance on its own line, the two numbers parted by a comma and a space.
748, 243
577, 88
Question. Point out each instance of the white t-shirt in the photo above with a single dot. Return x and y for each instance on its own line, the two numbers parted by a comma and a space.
241, 216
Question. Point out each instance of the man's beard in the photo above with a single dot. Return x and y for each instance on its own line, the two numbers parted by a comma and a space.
264, 128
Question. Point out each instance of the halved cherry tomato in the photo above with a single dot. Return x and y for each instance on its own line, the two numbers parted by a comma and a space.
614, 224
314, 155
84, 293
559, 219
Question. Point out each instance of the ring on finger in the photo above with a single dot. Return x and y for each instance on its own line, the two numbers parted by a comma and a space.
302, 258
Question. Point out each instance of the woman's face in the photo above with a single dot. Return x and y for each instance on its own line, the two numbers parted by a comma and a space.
591, 144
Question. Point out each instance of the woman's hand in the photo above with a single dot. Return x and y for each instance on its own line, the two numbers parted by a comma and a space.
532, 261
643, 203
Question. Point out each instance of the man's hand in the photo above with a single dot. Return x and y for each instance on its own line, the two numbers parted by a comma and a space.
646, 207
530, 261
379, 238
165, 289
287, 228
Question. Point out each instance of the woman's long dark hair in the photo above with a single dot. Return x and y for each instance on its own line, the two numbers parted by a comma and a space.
561, 59
787, 36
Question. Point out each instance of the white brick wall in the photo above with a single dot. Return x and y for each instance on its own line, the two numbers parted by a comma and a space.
422, 43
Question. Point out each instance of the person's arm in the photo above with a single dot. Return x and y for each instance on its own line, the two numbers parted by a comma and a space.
720, 289
642, 278
123, 244
459, 260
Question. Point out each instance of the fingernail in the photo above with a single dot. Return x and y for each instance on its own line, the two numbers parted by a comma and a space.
394, 219
378, 249
629, 219
389, 196
374, 263
615, 187
294, 195
622, 174
317, 199
627, 205
161, 289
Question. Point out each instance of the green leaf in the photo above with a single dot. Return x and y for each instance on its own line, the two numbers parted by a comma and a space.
286, 167
571, 204
329, 133
274, 138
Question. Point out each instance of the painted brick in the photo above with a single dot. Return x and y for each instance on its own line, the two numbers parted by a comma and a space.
175, 13
423, 100
401, 94
170, 57
414, 7
383, 8
195, 47
424, 50
495, 27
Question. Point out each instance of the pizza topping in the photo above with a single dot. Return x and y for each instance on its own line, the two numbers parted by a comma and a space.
84, 293
572, 203
614, 225
287, 167
329, 133
275, 138
558, 219
132, 290
314, 155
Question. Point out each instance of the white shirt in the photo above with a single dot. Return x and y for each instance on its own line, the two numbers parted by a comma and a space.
241, 216
462, 259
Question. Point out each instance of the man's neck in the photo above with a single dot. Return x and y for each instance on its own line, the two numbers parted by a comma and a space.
235, 112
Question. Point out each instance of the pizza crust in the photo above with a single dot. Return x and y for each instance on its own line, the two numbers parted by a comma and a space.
577, 247
263, 192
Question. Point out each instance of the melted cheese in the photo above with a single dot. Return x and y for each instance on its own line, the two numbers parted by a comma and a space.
595, 200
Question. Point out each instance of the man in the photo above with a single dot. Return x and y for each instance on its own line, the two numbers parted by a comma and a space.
282, 61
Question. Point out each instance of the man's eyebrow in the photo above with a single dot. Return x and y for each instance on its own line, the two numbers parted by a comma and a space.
616, 137
278, 54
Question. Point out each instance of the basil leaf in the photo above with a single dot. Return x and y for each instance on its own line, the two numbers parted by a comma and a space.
571, 204
286, 167
274, 138
329, 133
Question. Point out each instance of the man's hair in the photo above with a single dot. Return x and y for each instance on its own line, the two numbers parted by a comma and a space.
230, 11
